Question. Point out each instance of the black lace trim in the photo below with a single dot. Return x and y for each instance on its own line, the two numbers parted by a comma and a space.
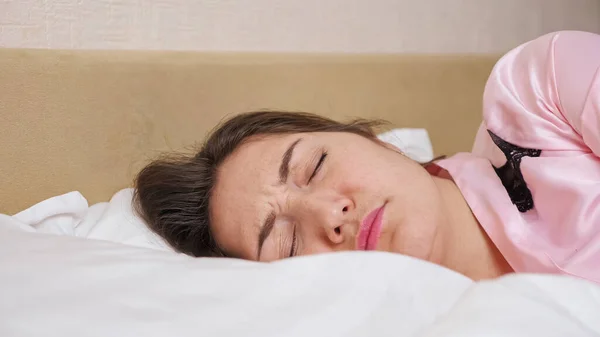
510, 173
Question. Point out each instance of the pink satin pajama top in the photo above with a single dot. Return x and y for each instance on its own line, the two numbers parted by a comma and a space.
533, 176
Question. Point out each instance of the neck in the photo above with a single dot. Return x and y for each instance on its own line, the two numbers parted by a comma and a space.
466, 247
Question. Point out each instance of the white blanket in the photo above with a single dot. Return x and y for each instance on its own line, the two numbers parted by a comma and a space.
61, 276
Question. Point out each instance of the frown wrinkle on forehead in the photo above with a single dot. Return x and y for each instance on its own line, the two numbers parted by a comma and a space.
247, 183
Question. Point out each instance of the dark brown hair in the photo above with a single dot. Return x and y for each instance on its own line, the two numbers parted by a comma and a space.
172, 194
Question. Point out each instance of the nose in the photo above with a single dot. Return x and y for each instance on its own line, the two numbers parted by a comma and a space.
327, 214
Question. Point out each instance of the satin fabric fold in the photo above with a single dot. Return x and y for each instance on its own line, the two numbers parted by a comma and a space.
544, 94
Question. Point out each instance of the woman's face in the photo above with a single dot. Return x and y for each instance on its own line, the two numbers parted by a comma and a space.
278, 196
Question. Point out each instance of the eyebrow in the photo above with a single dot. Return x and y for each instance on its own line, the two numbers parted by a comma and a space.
284, 172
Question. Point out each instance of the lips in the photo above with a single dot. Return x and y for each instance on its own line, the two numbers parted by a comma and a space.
370, 229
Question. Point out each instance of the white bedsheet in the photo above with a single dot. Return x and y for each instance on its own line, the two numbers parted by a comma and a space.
62, 285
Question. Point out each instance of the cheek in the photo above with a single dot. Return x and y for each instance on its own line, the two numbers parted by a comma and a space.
375, 169
418, 214
350, 176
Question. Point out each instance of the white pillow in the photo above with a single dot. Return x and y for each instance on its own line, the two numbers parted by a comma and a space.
56, 215
414, 143
65, 286
117, 221
69, 214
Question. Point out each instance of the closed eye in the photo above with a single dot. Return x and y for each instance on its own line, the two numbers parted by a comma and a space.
293, 245
318, 167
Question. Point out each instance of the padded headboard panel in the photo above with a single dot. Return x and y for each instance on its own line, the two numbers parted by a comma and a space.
88, 120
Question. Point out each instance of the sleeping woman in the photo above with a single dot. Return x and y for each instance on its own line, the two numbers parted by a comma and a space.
271, 185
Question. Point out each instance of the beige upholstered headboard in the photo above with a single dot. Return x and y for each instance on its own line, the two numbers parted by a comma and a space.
88, 120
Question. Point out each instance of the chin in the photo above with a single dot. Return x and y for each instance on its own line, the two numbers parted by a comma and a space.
420, 250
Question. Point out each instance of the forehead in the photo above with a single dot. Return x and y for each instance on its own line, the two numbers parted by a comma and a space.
245, 186
271, 146
258, 157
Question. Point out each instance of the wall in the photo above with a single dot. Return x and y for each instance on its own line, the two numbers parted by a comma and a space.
290, 25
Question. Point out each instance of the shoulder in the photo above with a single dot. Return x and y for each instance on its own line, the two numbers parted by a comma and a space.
531, 96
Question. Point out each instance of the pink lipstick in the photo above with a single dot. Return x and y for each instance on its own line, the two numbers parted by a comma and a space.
370, 229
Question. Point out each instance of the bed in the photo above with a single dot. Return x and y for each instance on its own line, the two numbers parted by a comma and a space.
76, 261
